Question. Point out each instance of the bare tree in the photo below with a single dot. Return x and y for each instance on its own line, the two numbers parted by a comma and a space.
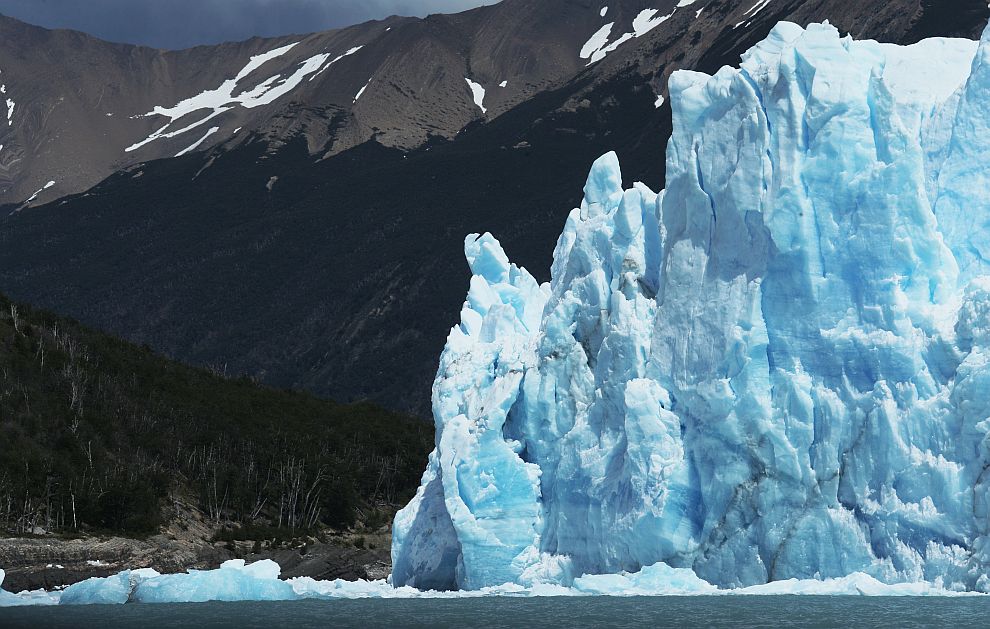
15, 318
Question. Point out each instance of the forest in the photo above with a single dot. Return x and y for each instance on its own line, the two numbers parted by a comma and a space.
98, 435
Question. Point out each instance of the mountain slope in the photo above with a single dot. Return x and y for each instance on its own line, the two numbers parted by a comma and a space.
84, 108
334, 274
98, 435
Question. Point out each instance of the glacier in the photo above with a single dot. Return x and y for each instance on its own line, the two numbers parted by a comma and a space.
776, 370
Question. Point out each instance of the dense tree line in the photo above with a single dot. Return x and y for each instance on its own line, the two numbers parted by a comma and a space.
97, 434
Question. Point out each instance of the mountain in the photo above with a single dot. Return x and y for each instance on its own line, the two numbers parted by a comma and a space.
81, 108
307, 254
777, 368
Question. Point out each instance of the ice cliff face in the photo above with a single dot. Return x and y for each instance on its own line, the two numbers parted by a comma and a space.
777, 368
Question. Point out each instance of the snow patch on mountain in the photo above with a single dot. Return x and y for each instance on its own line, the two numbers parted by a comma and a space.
647, 20
257, 61
593, 47
361, 91
756, 8
223, 98
39, 191
195, 145
752, 12
477, 94
10, 105
598, 47
349, 52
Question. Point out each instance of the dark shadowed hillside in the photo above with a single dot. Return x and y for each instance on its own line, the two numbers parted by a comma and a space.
98, 435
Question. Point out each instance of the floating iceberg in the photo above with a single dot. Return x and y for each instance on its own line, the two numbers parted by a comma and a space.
39, 597
778, 369
115, 590
233, 581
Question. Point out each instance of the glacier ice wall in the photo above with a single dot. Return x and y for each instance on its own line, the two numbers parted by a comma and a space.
778, 368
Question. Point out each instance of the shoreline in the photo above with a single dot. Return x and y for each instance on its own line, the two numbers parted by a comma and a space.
52, 563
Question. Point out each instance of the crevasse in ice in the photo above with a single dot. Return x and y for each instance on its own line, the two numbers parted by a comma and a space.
778, 368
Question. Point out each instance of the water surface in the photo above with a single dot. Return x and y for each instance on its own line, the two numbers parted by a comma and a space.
696, 611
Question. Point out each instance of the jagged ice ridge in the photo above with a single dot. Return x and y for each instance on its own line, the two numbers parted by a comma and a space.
778, 368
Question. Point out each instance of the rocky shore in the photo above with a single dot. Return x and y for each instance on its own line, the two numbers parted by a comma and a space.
51, 562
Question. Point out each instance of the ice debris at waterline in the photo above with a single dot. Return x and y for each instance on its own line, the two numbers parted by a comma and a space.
233, 581
259, 582
39, 597
778, 368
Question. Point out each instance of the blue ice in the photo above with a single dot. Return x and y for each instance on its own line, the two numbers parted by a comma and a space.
776, 369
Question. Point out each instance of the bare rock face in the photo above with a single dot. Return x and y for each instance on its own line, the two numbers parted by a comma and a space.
84, 108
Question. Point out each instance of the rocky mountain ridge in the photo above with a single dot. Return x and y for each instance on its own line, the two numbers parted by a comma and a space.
81, 109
